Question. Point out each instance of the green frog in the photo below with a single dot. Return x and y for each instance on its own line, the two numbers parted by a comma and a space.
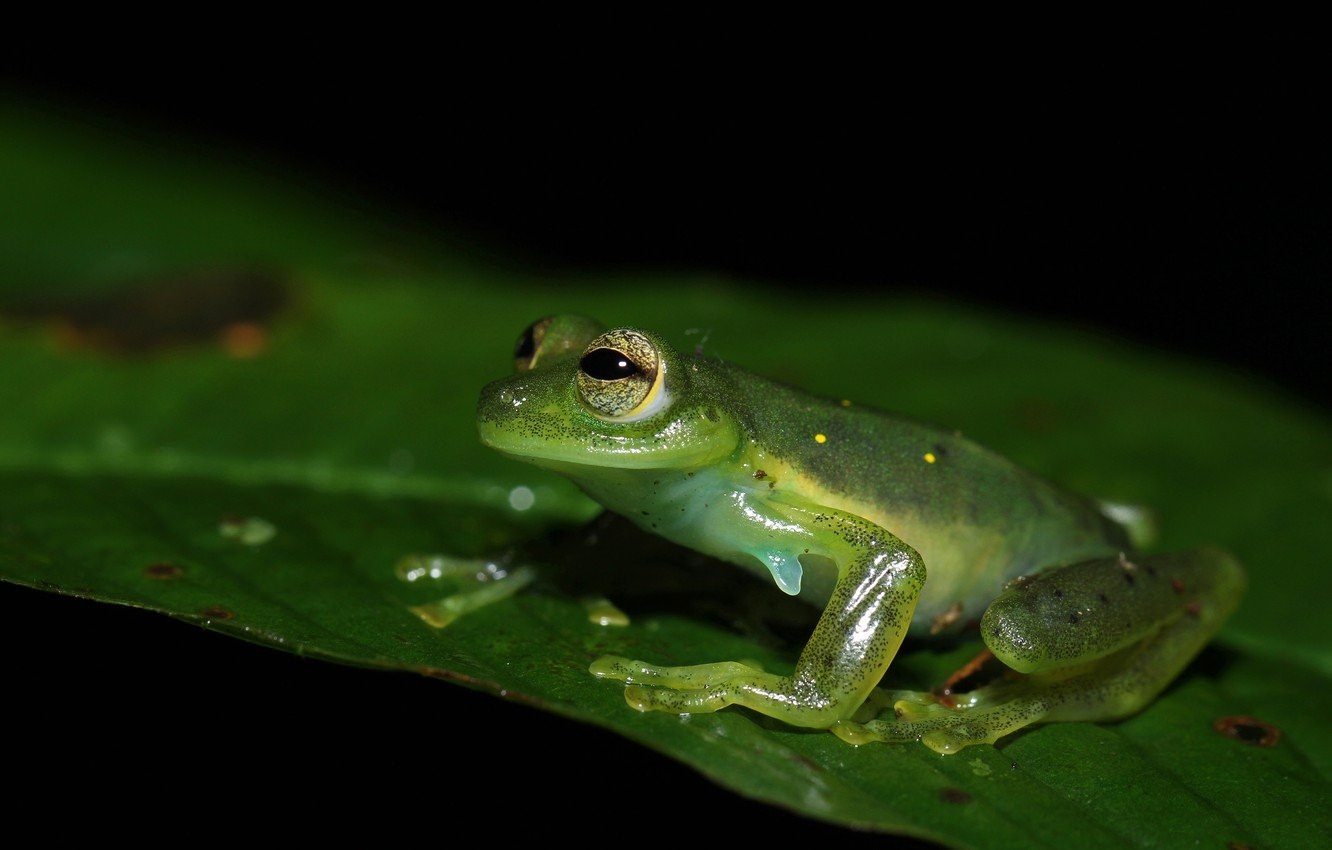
892, 528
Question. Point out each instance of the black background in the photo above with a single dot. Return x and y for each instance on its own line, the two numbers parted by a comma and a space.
1194, 219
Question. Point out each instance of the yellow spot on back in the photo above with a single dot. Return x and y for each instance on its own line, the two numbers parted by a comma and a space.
929, 457
820, 438
846, 402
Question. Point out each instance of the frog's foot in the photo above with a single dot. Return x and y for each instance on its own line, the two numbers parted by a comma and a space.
476, 594
703, 688
946, 730
424, 569
946, 723
681, 678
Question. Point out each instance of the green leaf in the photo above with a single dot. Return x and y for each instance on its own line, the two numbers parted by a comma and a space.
335, 405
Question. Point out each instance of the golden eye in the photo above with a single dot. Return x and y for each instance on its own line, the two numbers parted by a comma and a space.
529, 343
620, 376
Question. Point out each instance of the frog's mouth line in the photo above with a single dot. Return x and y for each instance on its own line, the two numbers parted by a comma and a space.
628, 454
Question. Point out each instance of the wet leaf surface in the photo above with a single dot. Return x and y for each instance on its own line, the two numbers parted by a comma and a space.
267, 492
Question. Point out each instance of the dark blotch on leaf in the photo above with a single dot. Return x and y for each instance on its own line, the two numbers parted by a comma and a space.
163, 572
217, 612
1248, 730
226, 306
954, 795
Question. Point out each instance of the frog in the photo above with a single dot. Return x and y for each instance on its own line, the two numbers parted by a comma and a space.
890, 527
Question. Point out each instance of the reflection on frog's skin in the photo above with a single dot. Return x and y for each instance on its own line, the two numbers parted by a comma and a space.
889, 526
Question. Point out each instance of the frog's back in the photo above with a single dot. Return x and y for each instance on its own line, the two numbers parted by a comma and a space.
976, 518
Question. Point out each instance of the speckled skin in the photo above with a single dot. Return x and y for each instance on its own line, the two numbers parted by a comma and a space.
852, 508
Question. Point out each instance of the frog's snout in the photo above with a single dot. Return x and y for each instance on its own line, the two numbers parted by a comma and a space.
518, 413
494, 408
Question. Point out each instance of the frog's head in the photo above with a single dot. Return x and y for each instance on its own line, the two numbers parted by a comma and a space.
627, 401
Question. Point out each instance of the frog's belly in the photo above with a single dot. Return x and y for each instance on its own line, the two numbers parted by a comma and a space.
965, 568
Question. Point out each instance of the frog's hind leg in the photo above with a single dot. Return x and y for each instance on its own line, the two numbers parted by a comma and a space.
1096, 641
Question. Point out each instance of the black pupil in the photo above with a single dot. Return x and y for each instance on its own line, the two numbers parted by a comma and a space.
607, 364
526, 346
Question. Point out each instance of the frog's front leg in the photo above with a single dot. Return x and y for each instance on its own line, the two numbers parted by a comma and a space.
478, 583
1095, 641
878, 584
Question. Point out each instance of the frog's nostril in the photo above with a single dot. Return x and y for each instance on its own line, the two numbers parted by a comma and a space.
494, 399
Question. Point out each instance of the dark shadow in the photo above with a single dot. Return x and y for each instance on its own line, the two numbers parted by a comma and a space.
647, 575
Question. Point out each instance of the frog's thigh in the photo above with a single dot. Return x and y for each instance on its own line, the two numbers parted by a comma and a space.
1099, 640
1068, 616
856, 638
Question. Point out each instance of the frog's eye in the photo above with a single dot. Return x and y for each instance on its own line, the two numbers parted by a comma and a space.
620, 377
529, 343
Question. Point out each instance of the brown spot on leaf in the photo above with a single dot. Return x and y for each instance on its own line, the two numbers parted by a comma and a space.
1177, 585
217, 612
954, 795
244, 340
1248, 730
760, 474
148, 314
163, 571
1194, 609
